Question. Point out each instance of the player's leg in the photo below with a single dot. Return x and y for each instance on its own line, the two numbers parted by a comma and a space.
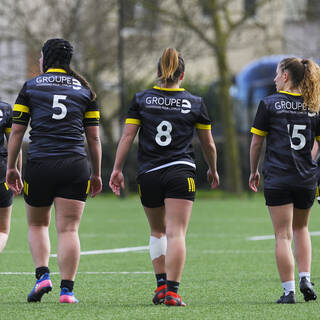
157, 249
302, 242
38, 219
282, 217
5, 217
6, 197
68, 216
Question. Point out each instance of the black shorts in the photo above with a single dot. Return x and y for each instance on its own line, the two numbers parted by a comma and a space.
176, 182
301, 198
6, 196
46, 179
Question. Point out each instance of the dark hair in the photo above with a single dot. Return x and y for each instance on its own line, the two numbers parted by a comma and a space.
304, 74
58, 53
170, 66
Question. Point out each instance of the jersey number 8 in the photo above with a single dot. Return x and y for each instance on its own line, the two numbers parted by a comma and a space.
163, 137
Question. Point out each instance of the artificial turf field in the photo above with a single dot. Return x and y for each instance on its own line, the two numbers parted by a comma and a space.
226, 276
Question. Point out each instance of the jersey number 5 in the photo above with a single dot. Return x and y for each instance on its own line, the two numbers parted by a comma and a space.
298, 135
57, 104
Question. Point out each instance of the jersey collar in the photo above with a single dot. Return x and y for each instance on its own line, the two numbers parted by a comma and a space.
56, 70
168, 89
292, 94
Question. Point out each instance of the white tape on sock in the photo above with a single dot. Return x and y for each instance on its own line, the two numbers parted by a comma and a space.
157, 247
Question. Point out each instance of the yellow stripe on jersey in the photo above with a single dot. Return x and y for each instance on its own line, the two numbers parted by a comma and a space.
291, 93
133, 121
25, 187
318, 138
92, 114
7, 130
259, 132
21, 108
5, 184
88, 187
168, 89
56, 70
203, 126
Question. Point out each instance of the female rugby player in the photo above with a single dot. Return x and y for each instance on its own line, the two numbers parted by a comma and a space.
61, 106
290, 121
165, 117
6, 195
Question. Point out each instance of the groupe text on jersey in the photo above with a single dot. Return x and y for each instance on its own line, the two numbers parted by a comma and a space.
59, 107
167, 119
290, 129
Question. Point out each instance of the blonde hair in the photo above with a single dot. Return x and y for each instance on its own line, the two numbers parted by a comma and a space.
305, 75
170, 66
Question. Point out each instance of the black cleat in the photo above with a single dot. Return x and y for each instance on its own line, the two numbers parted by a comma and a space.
306, 288
289, 298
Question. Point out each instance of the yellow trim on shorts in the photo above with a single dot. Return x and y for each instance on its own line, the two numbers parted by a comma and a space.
92, 114
203, 126
7, 130
5, 184
21, 108
139, 190
88, 187
26, 187
133, 121
318, 138
192, 186
259, 132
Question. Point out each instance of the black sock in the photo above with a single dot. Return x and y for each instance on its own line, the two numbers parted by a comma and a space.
67, 284
161, 279
172, 286
41, 271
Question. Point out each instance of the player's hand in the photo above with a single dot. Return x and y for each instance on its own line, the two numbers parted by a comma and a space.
213, 179
254, 180
95, 185
13, 180
116, 182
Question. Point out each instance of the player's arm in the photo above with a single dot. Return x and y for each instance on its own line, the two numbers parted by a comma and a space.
14, 181
19, 160
255, 151
210, 154
116, 180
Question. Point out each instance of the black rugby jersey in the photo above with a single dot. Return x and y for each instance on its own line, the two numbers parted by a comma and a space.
290, 130
59, 107
5, 125
167, 118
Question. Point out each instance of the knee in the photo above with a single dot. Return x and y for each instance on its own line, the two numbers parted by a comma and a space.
284, 235
157, 247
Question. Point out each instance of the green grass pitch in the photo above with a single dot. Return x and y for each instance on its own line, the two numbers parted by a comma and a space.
226, 276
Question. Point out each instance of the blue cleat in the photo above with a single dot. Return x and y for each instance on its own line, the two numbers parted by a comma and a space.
42, 286
67, 296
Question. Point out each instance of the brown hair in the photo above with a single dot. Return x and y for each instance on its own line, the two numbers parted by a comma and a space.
304, 74
170, 66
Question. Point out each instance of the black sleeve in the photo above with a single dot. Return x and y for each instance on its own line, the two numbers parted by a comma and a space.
133, 115
261, 121
21, 109
92, 114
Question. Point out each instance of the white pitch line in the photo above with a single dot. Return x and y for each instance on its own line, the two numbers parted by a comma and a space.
313, 233
84, 272
118, 250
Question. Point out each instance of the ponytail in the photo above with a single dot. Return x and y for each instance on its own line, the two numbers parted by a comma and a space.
310, 85
82, 80
170, 66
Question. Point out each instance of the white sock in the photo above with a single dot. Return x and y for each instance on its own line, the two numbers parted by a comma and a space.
288, 286
304, 274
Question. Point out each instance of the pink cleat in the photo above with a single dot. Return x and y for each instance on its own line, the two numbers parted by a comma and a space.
67, 297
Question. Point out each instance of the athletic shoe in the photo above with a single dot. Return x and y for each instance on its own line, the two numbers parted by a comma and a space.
289, 298
160, 294
67, 296
42, 286
306, 288
173, 299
